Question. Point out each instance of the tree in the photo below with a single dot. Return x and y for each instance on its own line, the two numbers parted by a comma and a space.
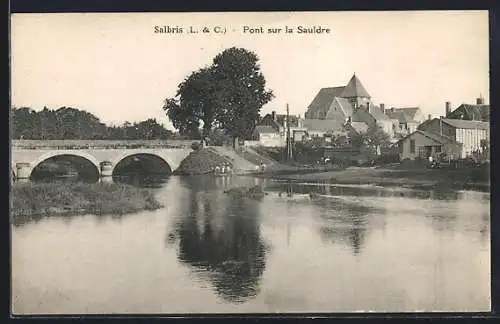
150, 129
228, 95
73, 123
195, 103
377, 137
241, 91
372, 140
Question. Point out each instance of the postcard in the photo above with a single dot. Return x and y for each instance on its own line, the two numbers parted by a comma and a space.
250, 162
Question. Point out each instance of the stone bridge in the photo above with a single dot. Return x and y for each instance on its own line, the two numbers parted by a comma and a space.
26, 155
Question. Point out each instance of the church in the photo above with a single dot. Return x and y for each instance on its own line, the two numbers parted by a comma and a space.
346, 104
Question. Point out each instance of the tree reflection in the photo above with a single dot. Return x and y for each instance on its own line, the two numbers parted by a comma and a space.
221, 235
347, 223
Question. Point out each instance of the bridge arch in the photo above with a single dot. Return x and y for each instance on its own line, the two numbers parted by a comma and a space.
150, 156
91, 160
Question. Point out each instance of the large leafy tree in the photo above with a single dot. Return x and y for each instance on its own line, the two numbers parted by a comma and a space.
228, 95
374, 138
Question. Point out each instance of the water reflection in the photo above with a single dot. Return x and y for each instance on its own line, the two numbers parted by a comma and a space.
142, 180
325, 188
142, 170
338, 251
65, 169
220, 235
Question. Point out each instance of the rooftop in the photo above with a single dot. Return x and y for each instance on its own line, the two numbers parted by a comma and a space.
435, 137
403, 115
324, 99
263, 129
478, 112
354, 89
323, 125
466, 124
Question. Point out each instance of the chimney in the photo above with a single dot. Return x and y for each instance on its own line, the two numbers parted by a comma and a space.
274, 115
448, 108
429, 117
480, 101
382, 106
368, 106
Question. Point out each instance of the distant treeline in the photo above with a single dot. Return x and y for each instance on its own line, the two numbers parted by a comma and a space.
72, 123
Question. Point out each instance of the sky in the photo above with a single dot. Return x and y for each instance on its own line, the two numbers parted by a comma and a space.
116, 67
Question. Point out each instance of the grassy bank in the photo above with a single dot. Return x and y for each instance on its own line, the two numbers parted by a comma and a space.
293, 170
421, 178
31, 199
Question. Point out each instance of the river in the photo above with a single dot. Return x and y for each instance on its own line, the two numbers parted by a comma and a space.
345, 249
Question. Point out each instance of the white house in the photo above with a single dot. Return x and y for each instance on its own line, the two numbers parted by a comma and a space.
268, 136
472, 134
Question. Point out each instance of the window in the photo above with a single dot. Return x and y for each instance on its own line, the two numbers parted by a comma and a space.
422, 152
412, 146
437, 149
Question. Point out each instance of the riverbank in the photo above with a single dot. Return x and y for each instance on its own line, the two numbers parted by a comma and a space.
42, 199
415, 178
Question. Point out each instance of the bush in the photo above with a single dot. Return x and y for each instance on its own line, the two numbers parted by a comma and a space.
44, 199
386, 159
195, 146
202, 161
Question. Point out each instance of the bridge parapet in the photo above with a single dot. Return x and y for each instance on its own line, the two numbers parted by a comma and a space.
99, 144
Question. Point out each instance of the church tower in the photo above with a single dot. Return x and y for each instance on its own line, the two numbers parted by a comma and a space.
356, 93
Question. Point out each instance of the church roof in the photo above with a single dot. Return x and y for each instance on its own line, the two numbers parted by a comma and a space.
354, 89
323, 100
346, 106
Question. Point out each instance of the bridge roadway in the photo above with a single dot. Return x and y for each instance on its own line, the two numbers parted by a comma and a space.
104, 155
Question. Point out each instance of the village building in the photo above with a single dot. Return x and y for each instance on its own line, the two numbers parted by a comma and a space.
422, 144
324, 128
472, 135
479, 112
372, 115
406, 119
272, 130
267, 136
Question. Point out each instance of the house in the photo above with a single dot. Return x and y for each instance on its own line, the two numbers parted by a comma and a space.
479, 111
272, 129
278, 122
473, 135
333, 129
323, 127
347, 103
372, 115
424, 144
408, 119
268, 136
